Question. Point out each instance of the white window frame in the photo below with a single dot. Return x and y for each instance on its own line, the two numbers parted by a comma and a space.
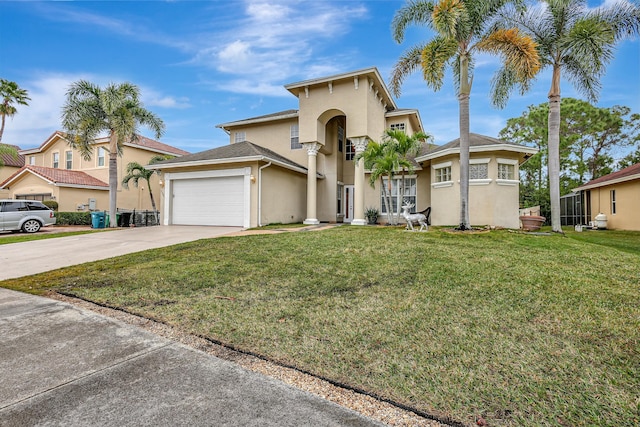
349, 150
240, 136
507, 162
397, 198
479, 181
32, 160
101, 158
397, 126
294, 133
340, 138
55, 162
437, 168
612, 195
68, 159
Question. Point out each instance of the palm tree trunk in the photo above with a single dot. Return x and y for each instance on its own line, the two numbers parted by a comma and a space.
153, 204
113, 179
553, 156
463, 99
2, 127
389, 194
384, 198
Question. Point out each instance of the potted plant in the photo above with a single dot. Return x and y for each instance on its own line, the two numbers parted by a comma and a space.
372, 215
532, 222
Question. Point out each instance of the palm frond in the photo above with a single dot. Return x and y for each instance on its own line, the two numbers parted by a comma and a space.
450, 19
622, 16
435, 57
518, 52
406, 65
415, 12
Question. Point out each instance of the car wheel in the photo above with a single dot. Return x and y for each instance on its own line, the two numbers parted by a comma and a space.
31, 226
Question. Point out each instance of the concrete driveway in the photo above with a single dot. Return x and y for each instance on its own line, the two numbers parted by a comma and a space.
37, 256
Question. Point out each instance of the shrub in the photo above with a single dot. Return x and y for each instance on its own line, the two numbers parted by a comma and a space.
73, 218
51, 204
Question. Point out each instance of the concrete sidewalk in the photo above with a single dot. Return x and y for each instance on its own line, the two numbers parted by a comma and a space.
61, 365
37, 256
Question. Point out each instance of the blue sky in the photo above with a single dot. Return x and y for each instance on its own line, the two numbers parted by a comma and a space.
202, 63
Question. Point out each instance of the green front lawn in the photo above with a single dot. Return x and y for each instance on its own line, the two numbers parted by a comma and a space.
521, 329
7, 238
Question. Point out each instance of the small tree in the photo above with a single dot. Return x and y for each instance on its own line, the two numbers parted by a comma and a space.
137, 172
10, 94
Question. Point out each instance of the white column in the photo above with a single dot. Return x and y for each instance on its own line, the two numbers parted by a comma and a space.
360, 144
312, 151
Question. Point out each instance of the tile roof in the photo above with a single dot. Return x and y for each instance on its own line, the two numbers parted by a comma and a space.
62, 177
625, 174
9, 160
236, 151
152, 144
476, 141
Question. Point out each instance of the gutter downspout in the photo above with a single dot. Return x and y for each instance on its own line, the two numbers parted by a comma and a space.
260, 192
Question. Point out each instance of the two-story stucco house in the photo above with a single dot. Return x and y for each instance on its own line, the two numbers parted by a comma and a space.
56, 171
299, 165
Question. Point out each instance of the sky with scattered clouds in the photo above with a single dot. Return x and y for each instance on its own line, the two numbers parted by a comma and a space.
202, 63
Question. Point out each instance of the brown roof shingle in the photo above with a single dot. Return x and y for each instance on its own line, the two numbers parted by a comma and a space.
9, 160
624, 173
60, 176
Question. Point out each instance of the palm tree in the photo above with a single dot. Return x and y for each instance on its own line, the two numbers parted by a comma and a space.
407, 147
463, 27
383, 160
117, 110
11, 94
136, 172
580, 42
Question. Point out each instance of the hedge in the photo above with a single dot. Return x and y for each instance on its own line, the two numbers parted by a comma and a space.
73, 218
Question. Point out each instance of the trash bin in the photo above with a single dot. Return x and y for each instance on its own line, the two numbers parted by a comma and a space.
124, 219
107, 223
97, 219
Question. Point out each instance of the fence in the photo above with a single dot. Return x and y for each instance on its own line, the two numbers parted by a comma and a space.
134, 218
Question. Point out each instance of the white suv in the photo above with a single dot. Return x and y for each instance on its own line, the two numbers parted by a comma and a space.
25, 215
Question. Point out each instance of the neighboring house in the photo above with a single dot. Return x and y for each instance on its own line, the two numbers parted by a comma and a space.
616, 195
298, 165
55, 171
10, 165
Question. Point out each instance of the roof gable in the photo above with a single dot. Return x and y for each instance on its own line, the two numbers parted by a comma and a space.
627, 174
478, 143
232, 153
141, 142
59, 177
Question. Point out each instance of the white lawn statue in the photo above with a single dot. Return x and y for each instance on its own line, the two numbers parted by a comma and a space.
414, 218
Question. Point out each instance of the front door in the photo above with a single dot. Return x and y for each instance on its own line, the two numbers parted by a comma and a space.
348, 203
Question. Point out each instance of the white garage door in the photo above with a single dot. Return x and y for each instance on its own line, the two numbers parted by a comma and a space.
208, 201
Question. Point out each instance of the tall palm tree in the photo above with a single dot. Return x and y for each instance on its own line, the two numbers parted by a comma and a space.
117, 110
137, 172
580, 42
407, 147
463, 27
10, 94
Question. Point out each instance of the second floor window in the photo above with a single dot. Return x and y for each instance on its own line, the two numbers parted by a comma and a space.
350, 150
397, 126
240, 137
69, 159
101, 156
56, 160
32, 160
443, 174
506, 171
295, 137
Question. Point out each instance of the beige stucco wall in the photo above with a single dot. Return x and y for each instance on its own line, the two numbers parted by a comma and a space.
69, 199
627, 216
494, 203
283, 196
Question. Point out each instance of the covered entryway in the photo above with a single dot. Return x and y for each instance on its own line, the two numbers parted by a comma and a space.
219, 198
